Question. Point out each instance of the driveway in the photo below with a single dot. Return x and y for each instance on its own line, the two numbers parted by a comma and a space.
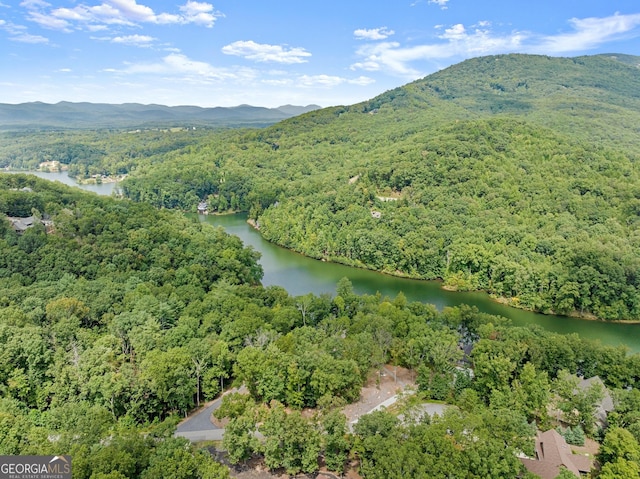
198, 426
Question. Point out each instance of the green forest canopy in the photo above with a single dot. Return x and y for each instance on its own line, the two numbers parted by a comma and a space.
117, 318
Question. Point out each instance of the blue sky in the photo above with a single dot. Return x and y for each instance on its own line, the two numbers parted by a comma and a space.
271, 53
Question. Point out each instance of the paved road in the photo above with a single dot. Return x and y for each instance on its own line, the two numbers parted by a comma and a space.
199, 427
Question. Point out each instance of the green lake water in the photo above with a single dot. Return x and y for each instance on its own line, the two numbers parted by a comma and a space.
300, 275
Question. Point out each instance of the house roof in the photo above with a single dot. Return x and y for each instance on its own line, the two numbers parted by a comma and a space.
553, 453
606, 405
607, 401
21, 224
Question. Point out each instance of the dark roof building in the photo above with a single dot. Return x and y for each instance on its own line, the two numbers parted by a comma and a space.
552, 454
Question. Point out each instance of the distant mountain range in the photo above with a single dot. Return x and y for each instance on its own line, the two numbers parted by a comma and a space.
38, 115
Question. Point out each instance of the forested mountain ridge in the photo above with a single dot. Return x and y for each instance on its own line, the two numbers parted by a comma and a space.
68, 115
515, 174
592, 97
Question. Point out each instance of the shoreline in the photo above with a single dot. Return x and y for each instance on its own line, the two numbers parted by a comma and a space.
63, 169
574, 315
496, 299
103, 180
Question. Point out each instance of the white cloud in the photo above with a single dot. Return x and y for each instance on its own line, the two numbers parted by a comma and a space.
11, 27
182, 68
370, 65
34, 4
266, 53
179, 63
279, 83
362, 81
199, 13
131, 10
320, 80
65, 70
97, 28
456, 32
78, 14
441, 3
47, 21
373, 34
590, 33
329, 81
458, 42
192, 8
19, 33
117, 12
28, 38
134, 40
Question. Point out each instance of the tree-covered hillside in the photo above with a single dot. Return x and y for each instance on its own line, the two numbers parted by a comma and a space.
515, 174
96, 348
595, 98
92, 152
116, 319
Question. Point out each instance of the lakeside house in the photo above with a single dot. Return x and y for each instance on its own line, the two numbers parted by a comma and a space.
605, 406
552, 454
20, 225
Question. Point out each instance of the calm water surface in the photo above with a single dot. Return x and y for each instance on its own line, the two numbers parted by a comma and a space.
104, 189
301, 275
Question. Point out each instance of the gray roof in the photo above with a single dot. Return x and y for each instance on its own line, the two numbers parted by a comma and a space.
606, 405
21, 224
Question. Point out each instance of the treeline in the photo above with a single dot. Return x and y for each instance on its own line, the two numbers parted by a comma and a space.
118, 319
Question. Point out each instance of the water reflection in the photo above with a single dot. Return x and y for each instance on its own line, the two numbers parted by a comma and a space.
105, 189
300, 275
